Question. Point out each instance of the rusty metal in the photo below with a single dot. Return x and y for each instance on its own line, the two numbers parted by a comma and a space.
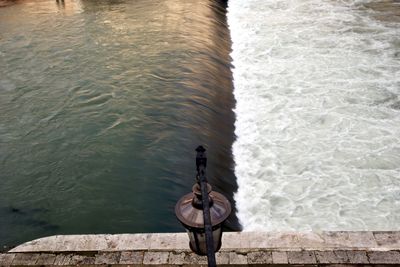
192, 216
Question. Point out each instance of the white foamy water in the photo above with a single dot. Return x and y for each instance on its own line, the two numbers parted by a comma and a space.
317, 85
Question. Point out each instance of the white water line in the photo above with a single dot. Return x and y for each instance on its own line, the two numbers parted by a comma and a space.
317, 85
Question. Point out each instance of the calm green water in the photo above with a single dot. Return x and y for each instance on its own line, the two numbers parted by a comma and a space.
101, 106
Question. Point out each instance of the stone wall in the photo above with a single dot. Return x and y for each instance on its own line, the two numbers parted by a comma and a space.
238, 249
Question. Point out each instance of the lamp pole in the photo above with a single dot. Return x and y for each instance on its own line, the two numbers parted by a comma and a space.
201, 164
203, 213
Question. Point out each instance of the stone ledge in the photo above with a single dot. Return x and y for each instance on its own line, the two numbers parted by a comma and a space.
232, 240
238, 249
185, 258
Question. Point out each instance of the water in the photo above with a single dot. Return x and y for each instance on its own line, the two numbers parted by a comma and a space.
317, 85
102, 104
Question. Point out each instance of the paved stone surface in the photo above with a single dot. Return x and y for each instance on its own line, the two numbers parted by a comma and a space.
273, 240
359, 257
279, 257
361, 240
176, 258
230, 240
332, 257
234, 240
79, 260
164, 241
259, 257
335, 239
108, 258
6, 259
67, 260
239, 249
46, 259
349, 239
193, 259
387, 239
23, 259
131, 257
155, 258
60, 259
222, 258
129, 242
301, 257
384, 257
237, 258
310, 240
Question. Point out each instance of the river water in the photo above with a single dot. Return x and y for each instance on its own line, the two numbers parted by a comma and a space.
102, 104
317, 85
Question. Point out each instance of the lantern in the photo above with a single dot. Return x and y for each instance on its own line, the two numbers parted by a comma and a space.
189, 211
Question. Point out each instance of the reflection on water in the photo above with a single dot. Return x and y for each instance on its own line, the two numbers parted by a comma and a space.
66, 7
101, 106
69, 7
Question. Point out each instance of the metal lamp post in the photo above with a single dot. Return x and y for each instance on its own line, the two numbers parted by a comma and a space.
203, 216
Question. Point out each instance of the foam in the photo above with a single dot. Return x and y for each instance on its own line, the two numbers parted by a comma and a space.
317, 86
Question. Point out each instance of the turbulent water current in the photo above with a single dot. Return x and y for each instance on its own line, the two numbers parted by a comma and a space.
317, 85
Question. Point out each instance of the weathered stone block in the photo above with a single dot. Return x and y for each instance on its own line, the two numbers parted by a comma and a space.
388, 239
222, 258
155, 258
42, 244
46, 259
235, 240
349, 265
107, 258
169, 241
132, 241
335, 239
131, 257
60, 258
176, 258
64, 243
279, 257
81, 260
67, 260
348, 239
259, 257
361, 239
162, 241
384, 257
194, 259
25, 259
357, 257
182, 242
338, 256
272, 240
237, 258
310, 240
301, 257
6, 259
